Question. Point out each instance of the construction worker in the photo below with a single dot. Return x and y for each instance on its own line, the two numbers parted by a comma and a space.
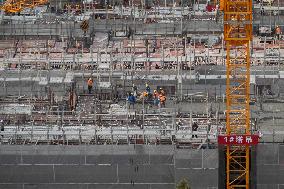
162, 91
148, 89
178, 125
156, 94
134, 89
131, 100
145, 94
194, 128
2, 126
90, 85
162, 99
278, 32
156, 98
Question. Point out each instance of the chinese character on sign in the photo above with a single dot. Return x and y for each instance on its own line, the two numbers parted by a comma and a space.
239, 139
232, 139
248, 139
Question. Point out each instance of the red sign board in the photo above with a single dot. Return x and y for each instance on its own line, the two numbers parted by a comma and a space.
238, 139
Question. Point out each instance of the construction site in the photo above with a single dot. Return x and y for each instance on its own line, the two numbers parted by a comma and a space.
142, 94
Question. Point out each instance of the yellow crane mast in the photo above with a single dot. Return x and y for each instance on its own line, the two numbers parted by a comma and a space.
238, 37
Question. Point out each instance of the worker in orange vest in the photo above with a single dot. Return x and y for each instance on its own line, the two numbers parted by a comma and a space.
145, 94
90, 85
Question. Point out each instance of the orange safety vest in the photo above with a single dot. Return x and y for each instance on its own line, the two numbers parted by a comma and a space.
162, 98
90, 82
145, 94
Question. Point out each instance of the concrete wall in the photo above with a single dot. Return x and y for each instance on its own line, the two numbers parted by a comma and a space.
102, 167
270, 166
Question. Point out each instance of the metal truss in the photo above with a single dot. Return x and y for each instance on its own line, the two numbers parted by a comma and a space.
238, 35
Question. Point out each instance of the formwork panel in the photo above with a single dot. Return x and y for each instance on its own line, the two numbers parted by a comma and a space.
268, 154
210, 159
130, 186
267, 186
85, 174
188, 163
221, 167
10, 159
161, 159
146, 173
11, 186
146, 176
26, 174
55, 186
136, 159
53, 159
281, 154
270, 174
189, 159
118, 186
117, 159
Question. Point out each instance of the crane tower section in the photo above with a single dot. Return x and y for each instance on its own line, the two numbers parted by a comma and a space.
237, 36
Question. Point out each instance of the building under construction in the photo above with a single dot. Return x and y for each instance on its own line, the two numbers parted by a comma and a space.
142, 94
